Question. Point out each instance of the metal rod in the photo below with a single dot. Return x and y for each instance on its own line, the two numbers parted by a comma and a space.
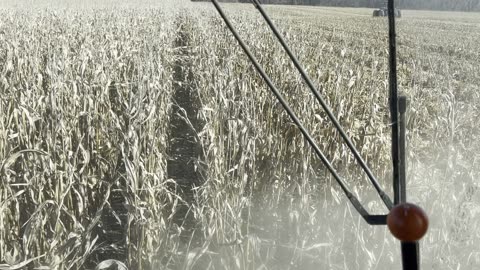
410, 255
360, 209
410, 250
402, 181
324, 105
393, 93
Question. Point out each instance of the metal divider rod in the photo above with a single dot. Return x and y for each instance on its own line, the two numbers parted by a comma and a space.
393, 94
410, 255
410, 250
360, 209
401, 187
386, 199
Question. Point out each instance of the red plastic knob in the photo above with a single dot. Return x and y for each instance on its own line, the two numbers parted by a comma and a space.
407, 222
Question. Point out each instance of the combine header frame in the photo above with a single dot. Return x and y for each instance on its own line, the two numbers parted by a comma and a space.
398, 105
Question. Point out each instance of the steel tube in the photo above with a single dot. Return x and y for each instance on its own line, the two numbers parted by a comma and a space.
410, 250
401, 188
393, 92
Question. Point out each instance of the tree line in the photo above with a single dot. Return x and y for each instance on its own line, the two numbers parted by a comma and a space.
450, 5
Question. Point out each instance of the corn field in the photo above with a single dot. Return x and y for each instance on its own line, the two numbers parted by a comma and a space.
143, 134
